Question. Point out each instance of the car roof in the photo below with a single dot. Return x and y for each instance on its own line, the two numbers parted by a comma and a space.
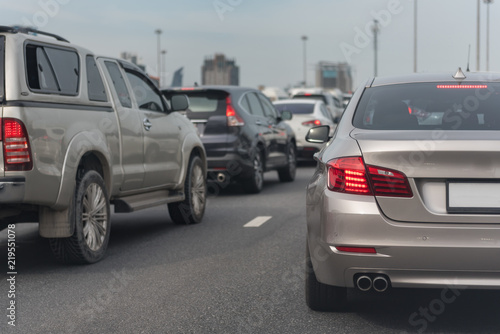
434, 77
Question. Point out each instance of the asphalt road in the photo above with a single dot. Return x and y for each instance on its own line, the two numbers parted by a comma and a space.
219, 276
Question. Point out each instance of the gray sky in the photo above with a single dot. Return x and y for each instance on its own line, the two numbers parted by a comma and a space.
264, 36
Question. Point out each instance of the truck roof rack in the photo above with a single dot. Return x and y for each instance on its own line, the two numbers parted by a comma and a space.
30, 30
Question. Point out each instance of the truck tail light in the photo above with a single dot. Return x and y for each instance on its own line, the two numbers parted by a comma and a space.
233, 119
351, 175
16, 147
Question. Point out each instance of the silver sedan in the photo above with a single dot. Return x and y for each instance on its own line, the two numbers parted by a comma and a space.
307, 114
407, 193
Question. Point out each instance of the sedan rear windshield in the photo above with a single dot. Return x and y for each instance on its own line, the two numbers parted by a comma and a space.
429, 106
296, 108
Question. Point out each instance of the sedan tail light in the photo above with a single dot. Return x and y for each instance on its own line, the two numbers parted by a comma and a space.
16, 148
315, 122
351, 175
233, 119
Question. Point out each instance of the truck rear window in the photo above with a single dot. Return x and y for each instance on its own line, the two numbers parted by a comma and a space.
430, 106
52, 70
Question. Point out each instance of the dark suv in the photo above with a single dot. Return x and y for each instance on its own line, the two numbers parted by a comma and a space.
243, 134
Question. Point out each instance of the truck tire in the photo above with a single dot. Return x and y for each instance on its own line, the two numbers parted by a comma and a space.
255, 183
91, 214
192, 209
322, 297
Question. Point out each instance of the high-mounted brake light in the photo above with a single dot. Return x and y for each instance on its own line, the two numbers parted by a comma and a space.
233, 119
350, 175
16, 148
312, 123
461, 86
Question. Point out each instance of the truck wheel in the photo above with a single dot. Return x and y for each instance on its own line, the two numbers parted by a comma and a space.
255, 183
91, 215
287, 174
323, 297
191, 210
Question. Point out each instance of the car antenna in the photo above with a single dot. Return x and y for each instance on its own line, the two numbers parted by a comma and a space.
459, 75
468, 60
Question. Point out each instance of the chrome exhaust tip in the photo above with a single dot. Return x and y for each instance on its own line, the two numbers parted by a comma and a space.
364, 283
221, 177
380, 284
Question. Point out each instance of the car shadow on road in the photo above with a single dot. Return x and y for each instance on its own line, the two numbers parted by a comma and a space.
430, 310
34, 256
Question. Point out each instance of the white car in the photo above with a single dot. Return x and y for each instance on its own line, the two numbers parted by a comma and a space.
307, 113
330, 98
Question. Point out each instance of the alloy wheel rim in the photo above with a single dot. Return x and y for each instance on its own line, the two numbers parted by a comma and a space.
94, 216
198, 191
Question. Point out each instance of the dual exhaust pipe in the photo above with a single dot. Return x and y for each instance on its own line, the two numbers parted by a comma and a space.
379, 283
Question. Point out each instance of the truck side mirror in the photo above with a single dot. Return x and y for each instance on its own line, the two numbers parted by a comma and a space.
179, 102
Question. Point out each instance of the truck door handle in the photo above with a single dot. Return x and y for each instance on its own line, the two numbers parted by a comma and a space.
258, 122
147, 124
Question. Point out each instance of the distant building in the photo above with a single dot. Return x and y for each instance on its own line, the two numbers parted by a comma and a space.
219, 70
330, 75
177, 79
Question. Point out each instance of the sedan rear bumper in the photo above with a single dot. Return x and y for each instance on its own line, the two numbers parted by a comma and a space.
411, 255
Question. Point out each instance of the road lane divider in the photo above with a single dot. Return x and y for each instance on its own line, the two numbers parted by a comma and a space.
257, 221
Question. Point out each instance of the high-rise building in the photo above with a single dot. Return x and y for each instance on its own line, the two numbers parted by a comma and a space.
330, 75
177, 79
219, 70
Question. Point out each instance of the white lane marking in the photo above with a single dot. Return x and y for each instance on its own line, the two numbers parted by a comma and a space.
257, 221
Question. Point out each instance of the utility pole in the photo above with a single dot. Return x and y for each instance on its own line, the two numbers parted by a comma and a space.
415, 36
375, 30
163, 53
158, 51
304, 38
488, 2
478, 36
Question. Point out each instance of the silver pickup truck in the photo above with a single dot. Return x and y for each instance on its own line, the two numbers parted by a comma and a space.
81, 132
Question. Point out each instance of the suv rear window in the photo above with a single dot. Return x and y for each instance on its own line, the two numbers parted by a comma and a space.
203, 104
430, 106
296, 108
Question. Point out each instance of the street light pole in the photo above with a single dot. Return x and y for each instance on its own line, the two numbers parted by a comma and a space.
488, 2
304, 38
163, 53
158, 64
478, 36
415, 36
375, 30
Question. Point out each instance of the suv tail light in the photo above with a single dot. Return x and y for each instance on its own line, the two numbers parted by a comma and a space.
233, 119
351, 175
16, 148
312, 123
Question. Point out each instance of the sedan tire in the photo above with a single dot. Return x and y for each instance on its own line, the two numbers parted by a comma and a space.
323, 297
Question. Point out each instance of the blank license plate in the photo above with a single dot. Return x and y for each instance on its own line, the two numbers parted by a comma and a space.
473, 197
